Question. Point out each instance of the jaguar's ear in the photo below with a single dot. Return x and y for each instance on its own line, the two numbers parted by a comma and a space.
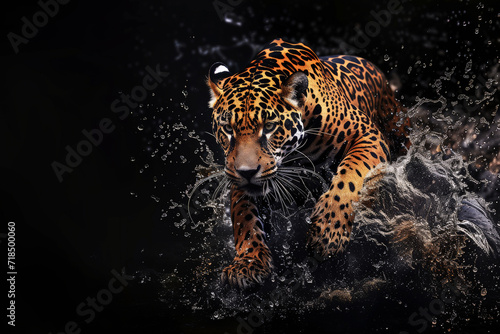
216, 74
294, 89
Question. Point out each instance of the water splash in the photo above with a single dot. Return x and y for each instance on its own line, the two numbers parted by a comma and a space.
427, 223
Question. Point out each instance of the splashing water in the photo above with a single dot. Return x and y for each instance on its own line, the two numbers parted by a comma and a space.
416, 218
422, 222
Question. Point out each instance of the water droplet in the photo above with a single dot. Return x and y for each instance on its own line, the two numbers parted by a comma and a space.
483, 292
386, 57
233, 19
468, 66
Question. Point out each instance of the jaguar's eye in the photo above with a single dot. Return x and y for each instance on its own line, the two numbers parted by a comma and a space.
227, 128
269, 127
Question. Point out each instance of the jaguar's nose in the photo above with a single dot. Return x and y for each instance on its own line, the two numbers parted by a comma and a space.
247, 173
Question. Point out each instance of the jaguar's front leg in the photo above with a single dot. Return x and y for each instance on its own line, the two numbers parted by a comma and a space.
252, 263
333, 215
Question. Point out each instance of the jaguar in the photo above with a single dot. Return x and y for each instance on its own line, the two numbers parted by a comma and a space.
335, 110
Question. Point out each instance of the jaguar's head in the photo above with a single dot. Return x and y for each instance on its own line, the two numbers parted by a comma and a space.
257, 119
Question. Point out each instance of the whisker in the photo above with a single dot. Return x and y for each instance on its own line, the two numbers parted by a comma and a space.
269, 191
298, 148
290, 198
222, 185
292, 176
197, 185
272, 190
315, 132
205, 179
310, 161
209, 133
277, 191
295, 150
291, 184
301, 169
286, 194
293, 159
217, 189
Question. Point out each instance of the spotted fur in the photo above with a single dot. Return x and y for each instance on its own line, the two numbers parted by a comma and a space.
337, 109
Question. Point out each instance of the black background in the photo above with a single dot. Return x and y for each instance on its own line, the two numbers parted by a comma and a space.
70, 235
